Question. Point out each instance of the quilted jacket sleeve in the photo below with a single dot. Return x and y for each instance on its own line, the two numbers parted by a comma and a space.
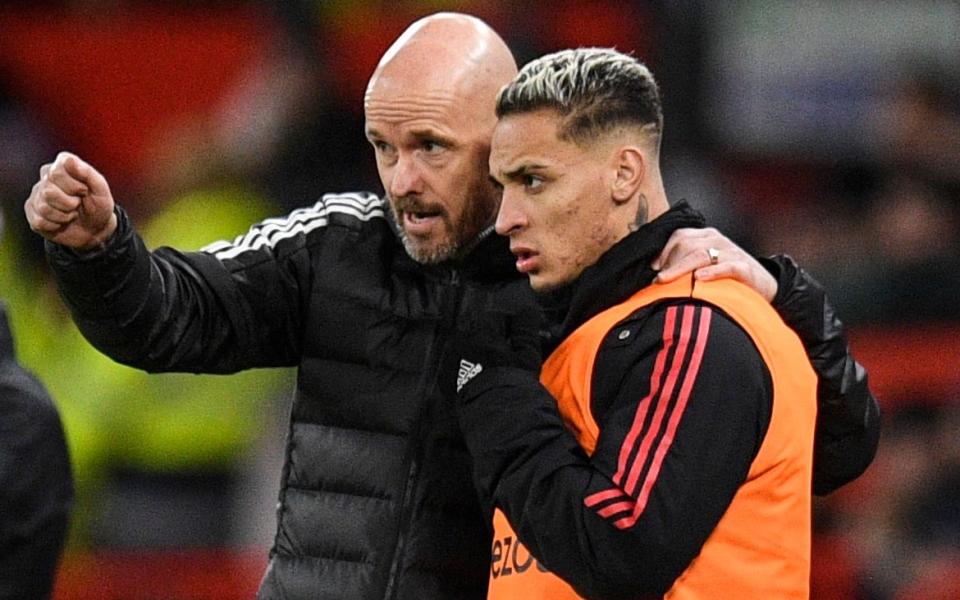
848, 416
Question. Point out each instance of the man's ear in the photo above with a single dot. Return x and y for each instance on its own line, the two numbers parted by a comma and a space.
631, 168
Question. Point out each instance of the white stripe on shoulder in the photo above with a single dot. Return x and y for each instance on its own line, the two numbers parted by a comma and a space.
360, 205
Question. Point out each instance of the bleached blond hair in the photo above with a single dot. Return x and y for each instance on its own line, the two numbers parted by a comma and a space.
594, 90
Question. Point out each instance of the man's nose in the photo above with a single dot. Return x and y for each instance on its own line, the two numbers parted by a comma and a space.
510, 217
407, 178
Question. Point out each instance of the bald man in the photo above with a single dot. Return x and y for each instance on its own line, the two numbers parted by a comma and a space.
359, 292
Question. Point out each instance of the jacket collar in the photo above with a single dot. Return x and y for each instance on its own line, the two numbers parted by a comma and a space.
489, 259
621, 271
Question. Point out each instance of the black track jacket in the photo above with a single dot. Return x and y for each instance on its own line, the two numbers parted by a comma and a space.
530, 466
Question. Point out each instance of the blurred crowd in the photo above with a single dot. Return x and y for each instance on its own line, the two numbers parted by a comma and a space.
206, 117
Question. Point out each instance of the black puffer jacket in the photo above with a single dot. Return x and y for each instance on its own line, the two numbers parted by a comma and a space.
376, 499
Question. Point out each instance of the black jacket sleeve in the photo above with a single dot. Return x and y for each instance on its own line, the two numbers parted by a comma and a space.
848, 416
36, 487
172, 311
680, 424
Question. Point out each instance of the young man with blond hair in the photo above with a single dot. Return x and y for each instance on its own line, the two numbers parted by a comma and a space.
666, 446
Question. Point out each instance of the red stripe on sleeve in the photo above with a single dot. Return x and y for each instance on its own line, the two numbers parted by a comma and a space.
663, 400
616, 507
641, 413
703, 333
597, 498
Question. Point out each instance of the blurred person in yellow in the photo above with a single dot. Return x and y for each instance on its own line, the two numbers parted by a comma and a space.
361, 292
680, 461
36, 485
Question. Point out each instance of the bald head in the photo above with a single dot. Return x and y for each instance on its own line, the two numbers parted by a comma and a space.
446, 54
430, 117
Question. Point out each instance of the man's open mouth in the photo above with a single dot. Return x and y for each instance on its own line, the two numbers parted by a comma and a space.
420, 216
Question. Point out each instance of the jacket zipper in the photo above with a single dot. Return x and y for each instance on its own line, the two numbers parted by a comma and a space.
448, 317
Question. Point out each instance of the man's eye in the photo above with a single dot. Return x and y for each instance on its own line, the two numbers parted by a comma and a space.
432, 147
532, 182
383, 150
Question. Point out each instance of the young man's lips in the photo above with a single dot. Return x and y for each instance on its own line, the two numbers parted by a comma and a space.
527, 260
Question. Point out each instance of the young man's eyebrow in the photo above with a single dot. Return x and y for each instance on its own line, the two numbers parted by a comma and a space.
522, 170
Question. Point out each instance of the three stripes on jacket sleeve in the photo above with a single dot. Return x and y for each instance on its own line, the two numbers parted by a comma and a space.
685, 333
362, 205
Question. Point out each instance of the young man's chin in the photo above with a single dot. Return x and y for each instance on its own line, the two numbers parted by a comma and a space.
538, 283
542, 283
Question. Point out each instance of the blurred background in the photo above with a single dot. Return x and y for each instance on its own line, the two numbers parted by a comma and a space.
826, 130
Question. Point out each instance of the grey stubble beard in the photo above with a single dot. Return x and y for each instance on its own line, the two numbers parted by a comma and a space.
475, 219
